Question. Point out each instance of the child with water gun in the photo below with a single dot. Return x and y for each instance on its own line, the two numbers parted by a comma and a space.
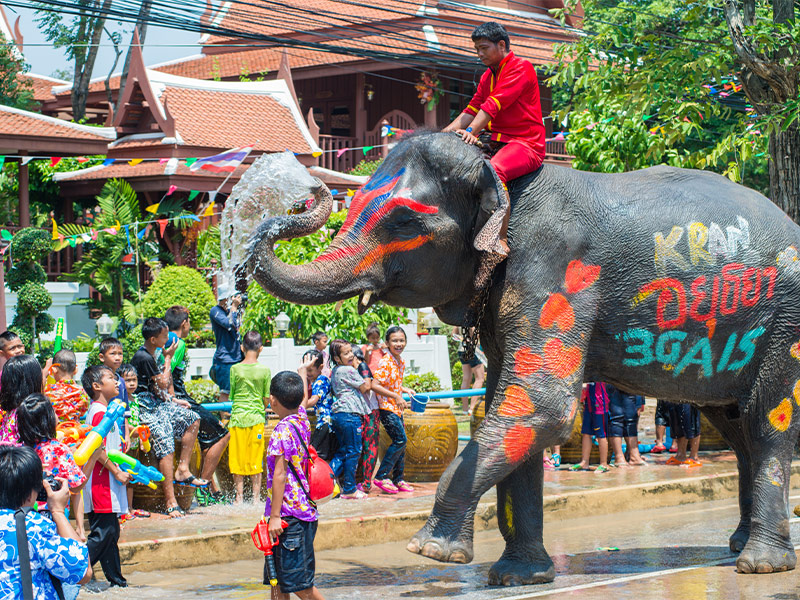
287, 497
105, 496
111, 355
22, 376
139, 433
68, 397
36, 422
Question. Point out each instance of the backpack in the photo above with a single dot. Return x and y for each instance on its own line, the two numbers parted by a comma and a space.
321, 481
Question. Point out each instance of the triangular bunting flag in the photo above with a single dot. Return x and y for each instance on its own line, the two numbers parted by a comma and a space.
366, 149
2, 160
82, 159
192, 217
25, 160
72, 241
127, 259
55, 229
86, 237
162, 224
190, 161
172, 166
6, 235
193, 194
316, 154
141, 233
341, 151
210, 210
334, 192
111, 230
108, 161
163, 161
153, 208
171, 190
135, 161
54, 160
128, 234
94, 235
351, 192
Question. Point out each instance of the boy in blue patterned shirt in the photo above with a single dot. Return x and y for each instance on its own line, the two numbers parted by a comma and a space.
321, 398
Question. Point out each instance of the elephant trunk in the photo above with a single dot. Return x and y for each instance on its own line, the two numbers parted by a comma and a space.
318, 282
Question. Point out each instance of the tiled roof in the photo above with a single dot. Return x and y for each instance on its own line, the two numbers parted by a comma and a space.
146, 169
16, 122
43, 85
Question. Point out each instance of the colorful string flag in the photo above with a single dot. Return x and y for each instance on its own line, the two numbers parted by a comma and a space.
140, 234
128, 234
55, 229
111, 230
366, 149
334, 192
162, 224
172, 166
108, 161
162, 161
82, 159
210, 210
94, 235
386, 130
25, 160
351, 193
171, 190
2, 161
135, 161
193, 194
54, 160
341, 151
225, 162
316, 154
153, 208
190, 161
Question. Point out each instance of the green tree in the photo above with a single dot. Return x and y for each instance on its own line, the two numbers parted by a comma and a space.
338, 320
15, 90
180, 285
653, 82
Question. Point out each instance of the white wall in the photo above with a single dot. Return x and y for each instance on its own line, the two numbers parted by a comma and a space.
64, 294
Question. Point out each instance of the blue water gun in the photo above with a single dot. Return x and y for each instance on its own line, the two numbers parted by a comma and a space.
96, 436
139, 472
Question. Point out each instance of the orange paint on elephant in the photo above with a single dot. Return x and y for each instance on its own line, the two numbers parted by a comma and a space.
516, 404
796, 392
517, 442
560, 360
580, 276
781, 416
383, 250
557, 311
526, 363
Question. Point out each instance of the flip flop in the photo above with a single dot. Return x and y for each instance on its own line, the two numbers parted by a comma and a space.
143, 514
673, 461
191, 481
577, 467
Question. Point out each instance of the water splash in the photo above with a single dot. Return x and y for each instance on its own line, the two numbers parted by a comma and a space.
267, 189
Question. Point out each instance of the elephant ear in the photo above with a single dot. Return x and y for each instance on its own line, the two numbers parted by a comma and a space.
494, 204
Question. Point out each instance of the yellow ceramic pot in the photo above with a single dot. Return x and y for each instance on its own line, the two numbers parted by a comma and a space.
153, 499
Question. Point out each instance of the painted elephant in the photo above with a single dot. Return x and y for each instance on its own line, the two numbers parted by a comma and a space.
664, 282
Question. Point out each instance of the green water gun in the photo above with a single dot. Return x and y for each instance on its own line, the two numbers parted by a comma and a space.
59, 335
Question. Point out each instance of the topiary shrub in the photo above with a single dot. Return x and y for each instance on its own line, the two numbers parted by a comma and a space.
29, 246
184, 286
24, 272
33, 298
202, 390
425, 382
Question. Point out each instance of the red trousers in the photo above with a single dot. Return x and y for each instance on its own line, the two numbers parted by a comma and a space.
516, 159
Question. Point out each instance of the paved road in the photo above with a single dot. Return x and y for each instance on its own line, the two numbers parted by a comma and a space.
671, 553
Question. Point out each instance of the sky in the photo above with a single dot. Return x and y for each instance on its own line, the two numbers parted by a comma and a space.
161, 45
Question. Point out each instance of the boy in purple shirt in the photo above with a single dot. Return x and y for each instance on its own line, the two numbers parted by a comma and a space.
595, 423
287, 496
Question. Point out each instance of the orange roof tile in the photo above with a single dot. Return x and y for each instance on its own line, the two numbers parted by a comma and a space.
146, 169
16, 122
43, 85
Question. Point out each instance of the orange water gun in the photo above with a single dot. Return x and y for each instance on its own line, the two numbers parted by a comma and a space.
143, 432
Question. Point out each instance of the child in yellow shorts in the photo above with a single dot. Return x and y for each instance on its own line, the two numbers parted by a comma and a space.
250, 397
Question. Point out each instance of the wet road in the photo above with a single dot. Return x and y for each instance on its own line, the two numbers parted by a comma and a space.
669, 553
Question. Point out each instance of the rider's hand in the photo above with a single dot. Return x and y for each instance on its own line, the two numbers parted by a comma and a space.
467, 137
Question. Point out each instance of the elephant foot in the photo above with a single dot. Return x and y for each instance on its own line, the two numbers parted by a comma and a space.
738, 540
439, 548
535, 567
758, 557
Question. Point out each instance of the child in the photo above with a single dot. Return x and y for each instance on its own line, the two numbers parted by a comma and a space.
287, 490
320, 339
36, 420
371, 424
250, 396
685, 429
22, 376
167, 417
390, 376
110, 354
375, 349
105, 495
68, 397
129, 377
595, 423
349, 410
321, 398
10, 345
212, 437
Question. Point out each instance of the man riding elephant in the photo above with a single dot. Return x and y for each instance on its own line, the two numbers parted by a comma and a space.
665, 282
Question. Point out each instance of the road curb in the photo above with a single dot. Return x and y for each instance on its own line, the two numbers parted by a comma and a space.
225, 546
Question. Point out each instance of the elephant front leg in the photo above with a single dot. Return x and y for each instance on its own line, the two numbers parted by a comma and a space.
519, 515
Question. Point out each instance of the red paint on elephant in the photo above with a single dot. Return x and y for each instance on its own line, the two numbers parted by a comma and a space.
557, 310
396, 202
383, 250
516, 404
580, 276
560, 360
518, 442
526, 362
338, 253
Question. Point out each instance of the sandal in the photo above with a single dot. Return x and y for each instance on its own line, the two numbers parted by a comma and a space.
192, 481
175, 509
602, 469
576, 467
402, 486
556, 460
658, 449
357, 495
385, 486
673, 461
690, 463
140, 514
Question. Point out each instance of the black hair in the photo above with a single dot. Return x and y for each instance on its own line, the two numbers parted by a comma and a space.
358, 352
373, 329
175, 317
318, 335
492, 31
126, 368
335, 350
287, 388
318, 358
20, 475
93, 375
395, 329
252, 341
36, 420
66, 361
152, 327
6, 337
107, 344
22, 376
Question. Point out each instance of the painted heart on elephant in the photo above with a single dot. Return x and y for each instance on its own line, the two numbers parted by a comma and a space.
665, 282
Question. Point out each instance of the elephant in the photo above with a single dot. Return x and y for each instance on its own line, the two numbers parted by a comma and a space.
664, 282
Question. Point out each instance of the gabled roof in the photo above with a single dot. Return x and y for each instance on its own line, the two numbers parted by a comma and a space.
17, 122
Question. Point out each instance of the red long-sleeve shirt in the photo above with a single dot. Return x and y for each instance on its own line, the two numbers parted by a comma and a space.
512, 101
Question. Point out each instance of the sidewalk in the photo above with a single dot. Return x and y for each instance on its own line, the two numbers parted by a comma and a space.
222, 533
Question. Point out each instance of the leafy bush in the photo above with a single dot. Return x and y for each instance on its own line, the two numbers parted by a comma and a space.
366, 167
204, 338
31, 244
202, 390
457, 374
24, 272
180, 285
426, 382
28, 247
33, 298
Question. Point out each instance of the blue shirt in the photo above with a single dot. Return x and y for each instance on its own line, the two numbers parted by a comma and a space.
50, 553
122, 396
226, 334
322, 388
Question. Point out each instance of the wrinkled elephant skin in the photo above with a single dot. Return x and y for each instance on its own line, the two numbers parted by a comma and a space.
664, 282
